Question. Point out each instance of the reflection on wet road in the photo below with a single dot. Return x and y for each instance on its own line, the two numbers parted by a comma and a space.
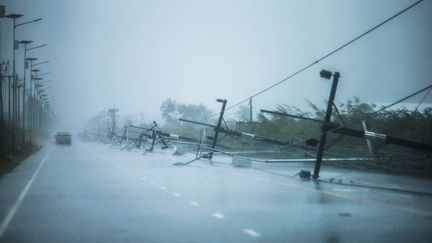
93, 193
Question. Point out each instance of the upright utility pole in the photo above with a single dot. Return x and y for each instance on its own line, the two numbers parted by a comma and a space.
250, 110
112, 112
327, 75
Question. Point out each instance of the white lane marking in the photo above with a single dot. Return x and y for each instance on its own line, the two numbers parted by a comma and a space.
6, 221
143, 178
218, 215
163, 188
252, 232
194, 203
401, 195
176, 194
349, 189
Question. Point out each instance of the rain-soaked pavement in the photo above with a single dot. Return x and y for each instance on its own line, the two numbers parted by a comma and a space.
94, 193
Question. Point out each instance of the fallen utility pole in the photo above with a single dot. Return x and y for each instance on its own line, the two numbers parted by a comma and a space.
161, 134
176, 137
337, 128
166, 135
239, 134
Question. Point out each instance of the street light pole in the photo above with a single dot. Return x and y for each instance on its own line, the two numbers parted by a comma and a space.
14, 17
25, 42
30, 84
30, 110
14, 75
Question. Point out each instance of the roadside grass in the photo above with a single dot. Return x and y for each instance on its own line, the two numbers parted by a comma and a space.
11, 160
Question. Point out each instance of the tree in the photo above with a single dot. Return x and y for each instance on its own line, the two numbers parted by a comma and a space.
172, 111
243, 113
169, 110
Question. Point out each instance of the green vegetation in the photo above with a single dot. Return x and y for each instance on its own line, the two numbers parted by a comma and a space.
10, 156
10, 160
413, 125
172, 111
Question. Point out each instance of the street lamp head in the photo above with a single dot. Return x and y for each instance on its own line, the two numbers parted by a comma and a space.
31, 58
14, 16
35, 70
325, 74
25, 42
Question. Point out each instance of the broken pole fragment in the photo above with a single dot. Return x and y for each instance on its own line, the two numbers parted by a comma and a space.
239, 134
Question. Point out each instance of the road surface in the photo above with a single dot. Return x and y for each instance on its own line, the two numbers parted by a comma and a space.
94, 193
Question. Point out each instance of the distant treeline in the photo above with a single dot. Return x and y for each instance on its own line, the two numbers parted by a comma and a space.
413, 125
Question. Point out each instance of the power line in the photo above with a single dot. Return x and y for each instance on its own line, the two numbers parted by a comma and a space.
373, 113
320, 59
424, 97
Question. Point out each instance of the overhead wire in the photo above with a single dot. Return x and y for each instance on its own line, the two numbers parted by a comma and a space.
423, 99
320, 59
373, 113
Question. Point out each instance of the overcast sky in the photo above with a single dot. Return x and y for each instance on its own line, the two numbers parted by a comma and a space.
133, 54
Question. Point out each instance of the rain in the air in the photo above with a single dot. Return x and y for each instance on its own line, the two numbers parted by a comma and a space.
215, 121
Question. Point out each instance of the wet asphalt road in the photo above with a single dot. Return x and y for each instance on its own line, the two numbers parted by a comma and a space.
93, 193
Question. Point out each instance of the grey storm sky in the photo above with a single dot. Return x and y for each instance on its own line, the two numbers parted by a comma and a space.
133, 54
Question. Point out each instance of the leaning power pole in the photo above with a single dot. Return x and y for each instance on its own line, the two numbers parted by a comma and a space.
327, 75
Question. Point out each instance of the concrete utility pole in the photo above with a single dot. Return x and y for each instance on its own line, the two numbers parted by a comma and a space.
223, 101
327, 75
250, 110
112, 112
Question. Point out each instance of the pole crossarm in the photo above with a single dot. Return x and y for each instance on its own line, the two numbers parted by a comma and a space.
339, 129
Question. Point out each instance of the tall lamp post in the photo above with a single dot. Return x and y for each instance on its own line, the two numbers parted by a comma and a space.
34, 78
14, 75
24, 82
39, 94
31, 60
25, 42
15, 46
